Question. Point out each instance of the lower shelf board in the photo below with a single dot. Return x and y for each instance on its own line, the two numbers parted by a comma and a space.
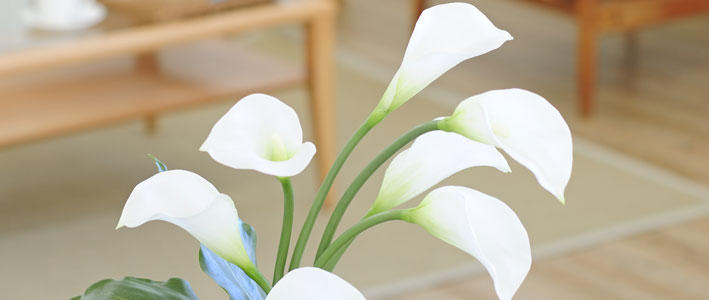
66, 100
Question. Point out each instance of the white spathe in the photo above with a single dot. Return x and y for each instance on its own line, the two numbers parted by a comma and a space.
260, 133
482, 226
444, 36
309, 283
189, 201
524, 125
432, 157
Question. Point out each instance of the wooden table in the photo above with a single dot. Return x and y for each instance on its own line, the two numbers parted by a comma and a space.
596, 17
40, 97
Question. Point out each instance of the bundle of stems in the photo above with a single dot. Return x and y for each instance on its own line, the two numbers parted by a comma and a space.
329, 252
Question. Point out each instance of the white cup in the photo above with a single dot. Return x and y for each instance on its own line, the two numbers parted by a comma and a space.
58, 10
64, 14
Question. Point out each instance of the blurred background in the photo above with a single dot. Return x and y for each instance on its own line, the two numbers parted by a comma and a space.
87, 89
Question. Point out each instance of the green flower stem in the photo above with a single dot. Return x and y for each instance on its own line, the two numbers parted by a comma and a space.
359, 181
286, 228
346, 238
335, 258
332, 262
261, 280
325, 188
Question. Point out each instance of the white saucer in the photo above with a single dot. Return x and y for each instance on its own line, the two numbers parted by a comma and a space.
83, 16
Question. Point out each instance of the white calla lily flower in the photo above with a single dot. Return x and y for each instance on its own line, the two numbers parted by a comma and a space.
260, 133
309, 283
189, 201
444, 36
524, 125
482, 226
432, 157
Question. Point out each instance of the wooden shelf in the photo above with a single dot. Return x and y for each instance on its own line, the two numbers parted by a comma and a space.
66, 100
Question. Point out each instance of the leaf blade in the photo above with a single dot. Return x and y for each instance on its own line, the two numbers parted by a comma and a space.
230, 277
139, 288
159, 164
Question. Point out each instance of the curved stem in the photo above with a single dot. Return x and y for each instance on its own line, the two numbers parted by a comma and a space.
286, 229
334, 259
346, 238
324, 189
259, 279
362, 177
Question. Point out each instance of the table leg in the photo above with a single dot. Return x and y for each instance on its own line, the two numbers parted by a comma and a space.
587, 53
320, 60
148, 62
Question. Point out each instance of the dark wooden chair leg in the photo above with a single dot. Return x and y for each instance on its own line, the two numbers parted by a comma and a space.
419, 6
630, 61
587, 54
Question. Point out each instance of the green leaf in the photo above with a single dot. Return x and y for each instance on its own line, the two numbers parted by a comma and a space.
139, 289
161, 166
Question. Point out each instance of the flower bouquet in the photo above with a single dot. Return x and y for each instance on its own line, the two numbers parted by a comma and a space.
263, 134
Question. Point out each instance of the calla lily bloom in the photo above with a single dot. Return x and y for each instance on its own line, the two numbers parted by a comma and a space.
310, 283
189, 201
444, 36
482, 226
260, 133
432, 157
524, 125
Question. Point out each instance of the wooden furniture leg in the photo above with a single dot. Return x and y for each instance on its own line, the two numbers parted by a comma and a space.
419, 6
148, 62
587, 53
631, 46
320, 44
630, 61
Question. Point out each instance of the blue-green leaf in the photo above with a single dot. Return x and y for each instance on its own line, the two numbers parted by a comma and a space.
161, 166
139, 289
230, 277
